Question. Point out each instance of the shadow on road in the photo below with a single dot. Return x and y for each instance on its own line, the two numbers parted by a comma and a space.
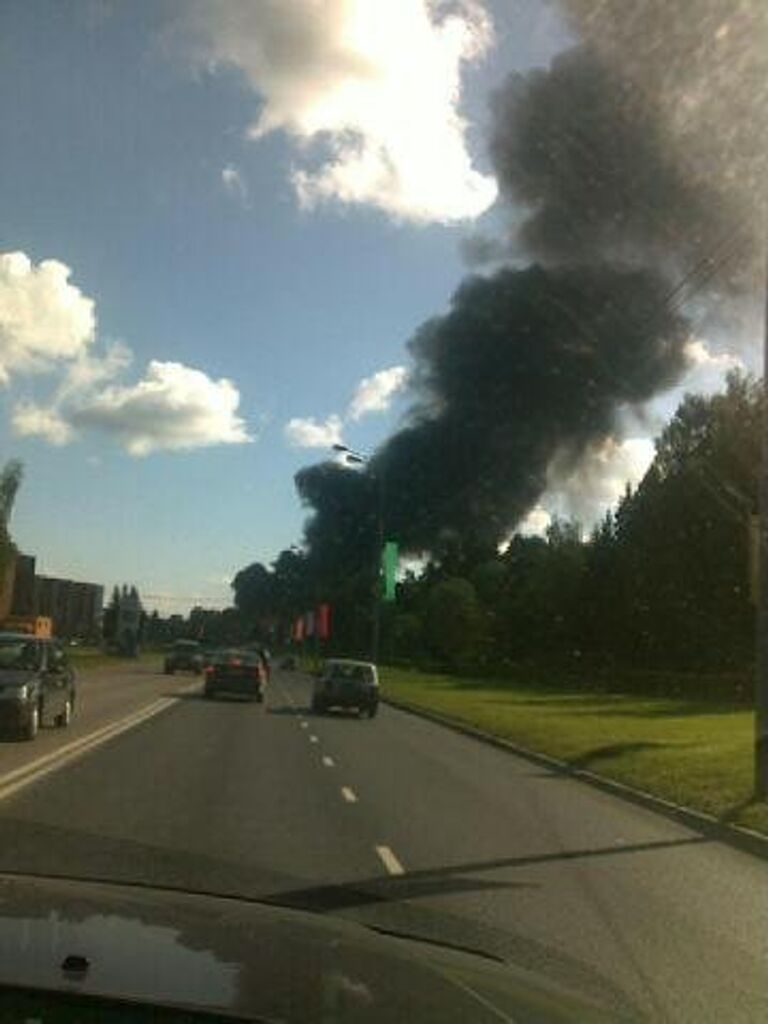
448, 880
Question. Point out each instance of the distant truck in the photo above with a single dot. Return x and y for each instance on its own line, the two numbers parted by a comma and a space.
34, 625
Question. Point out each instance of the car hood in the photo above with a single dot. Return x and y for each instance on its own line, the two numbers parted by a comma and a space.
251, 960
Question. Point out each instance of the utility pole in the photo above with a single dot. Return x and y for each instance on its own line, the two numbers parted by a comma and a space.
761, 678
376, 621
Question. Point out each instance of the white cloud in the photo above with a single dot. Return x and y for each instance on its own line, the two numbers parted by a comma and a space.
174, 407
701, 356
234, 183
375, 393
372, 394
43, 318
32, 420
375, 83
47, 323
535, 523
92, 368
585, 491
309, 433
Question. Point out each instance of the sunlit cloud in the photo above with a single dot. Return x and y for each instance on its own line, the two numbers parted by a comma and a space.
372, 394
375, 393
173, 408
585, 491
44, 319
29, 419
306, 432
47, 324
375, 86
535, 524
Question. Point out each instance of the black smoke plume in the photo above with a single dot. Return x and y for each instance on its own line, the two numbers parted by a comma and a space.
586, 150
526, 364
640, 156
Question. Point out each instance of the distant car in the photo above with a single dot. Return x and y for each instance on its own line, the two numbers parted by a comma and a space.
184, 656
208, 655
37, 684
343, 683
237, 673
290, 662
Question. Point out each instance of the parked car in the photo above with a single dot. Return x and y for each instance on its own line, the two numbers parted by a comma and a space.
184, 656
37, 684
237, 673
343, 683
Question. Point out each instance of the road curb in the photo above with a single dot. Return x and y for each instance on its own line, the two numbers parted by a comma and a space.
743, 838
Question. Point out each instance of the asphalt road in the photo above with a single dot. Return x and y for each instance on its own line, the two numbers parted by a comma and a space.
400, 823
104, 696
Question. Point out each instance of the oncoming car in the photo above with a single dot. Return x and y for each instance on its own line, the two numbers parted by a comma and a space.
37, 684
343, 683
236, 673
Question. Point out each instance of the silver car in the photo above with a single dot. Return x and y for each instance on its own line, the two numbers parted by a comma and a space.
344, 683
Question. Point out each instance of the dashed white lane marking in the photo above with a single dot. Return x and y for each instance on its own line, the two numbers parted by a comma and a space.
304, 725
328, 762
349, 795
313, 739
390, 861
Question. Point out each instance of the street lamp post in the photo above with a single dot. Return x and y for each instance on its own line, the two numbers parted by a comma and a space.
361, 460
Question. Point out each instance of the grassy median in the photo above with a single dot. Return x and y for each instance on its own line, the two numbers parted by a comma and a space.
693, 753
88, 658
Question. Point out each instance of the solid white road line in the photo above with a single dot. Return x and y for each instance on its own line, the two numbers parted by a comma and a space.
349, 795
390, 861
328, 762
49, 763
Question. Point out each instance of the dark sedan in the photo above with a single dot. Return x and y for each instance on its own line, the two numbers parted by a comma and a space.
236, 673
37, 684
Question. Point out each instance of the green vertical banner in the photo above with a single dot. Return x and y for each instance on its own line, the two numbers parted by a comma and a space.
389, 564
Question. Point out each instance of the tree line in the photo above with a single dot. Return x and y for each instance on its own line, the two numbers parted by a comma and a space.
662, 583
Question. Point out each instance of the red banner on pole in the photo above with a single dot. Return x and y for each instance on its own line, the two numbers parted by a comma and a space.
323, 621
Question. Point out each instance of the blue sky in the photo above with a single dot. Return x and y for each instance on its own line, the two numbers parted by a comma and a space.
126, 157
250, 206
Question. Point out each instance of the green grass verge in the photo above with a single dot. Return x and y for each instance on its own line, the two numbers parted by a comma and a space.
693, 753
85, 659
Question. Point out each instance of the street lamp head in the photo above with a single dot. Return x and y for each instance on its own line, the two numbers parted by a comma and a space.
351, 457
